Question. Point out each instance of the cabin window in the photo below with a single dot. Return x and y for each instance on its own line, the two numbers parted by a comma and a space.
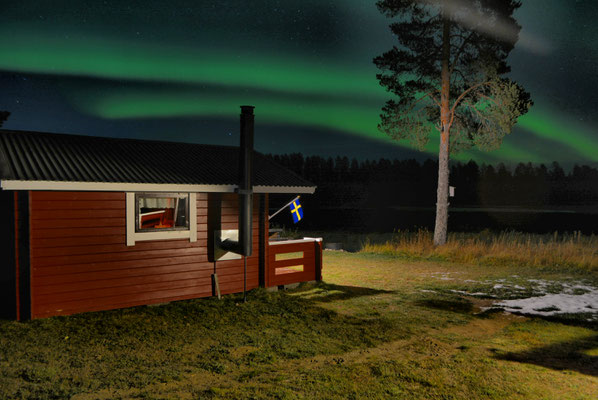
161, 216
161, 212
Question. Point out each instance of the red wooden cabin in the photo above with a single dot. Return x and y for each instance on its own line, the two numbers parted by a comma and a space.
91, 223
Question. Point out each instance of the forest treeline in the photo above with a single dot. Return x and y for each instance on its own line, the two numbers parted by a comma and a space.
344, 183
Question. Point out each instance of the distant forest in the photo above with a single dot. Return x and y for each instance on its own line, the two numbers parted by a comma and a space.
344, 183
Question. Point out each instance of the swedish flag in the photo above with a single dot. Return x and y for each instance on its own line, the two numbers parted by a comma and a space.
296, 210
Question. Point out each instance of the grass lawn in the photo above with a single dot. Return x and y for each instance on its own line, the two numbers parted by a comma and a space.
379, 327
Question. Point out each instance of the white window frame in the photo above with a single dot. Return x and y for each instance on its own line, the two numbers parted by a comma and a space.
133, 236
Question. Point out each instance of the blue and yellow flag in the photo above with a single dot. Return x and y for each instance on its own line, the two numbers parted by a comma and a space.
296, 211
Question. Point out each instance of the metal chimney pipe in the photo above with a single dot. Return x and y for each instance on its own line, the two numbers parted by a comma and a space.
246, 181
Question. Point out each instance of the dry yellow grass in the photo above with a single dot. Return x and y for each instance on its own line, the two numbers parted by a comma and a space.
568, 250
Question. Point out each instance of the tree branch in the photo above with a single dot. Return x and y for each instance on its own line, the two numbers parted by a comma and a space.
461, 75
491, 99
461, 48
483, 120
462, 95
472, 107
430, 95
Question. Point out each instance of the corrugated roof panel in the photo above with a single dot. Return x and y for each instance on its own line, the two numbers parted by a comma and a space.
114, 163
64, 171
36, 156
5, 167
35, 161
27, 165
44, 159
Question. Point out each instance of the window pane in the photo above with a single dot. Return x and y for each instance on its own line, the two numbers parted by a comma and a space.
162, 212
181, 216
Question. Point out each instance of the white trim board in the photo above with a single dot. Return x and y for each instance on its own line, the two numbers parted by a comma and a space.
113, 187
284, 189
294, 241
143, 187
133, 236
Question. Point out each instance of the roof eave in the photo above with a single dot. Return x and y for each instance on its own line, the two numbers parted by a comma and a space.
285, 189
8, 184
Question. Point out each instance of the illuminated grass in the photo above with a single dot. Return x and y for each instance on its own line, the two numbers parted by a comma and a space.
380, 327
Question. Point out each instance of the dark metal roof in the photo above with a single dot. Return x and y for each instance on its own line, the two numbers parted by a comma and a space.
37, 156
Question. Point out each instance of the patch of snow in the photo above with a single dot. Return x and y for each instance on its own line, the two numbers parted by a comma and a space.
446, 273
572, 289
427, 291
508, 287
539, 282
553, 304
471, 294
459, 291
443, 276
572, 298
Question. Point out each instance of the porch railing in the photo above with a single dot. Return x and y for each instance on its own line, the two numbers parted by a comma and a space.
294, 261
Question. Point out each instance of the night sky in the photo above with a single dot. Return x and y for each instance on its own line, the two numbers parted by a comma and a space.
178, 70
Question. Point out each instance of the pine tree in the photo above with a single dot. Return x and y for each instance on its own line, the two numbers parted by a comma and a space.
447, 73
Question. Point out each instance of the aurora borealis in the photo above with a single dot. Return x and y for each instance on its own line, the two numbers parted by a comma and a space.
179, 71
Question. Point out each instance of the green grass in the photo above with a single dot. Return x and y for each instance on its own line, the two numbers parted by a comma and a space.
380, 327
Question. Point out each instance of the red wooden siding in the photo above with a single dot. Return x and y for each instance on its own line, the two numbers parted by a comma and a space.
278, 272
80, 260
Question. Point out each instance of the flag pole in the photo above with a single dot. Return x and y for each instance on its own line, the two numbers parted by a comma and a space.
283, 207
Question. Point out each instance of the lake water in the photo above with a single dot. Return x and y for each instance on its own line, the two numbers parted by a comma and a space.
460, 219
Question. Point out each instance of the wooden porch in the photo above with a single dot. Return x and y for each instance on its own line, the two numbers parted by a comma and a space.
293, 261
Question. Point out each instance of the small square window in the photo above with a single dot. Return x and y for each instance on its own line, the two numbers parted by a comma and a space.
161, 212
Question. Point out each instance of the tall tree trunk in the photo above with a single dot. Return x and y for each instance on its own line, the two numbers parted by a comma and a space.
441, 226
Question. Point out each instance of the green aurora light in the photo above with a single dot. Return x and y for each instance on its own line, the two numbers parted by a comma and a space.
354, 119
563, 131
48, 53
286, 88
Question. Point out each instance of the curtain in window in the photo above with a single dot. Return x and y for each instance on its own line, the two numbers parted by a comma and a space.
157, 202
